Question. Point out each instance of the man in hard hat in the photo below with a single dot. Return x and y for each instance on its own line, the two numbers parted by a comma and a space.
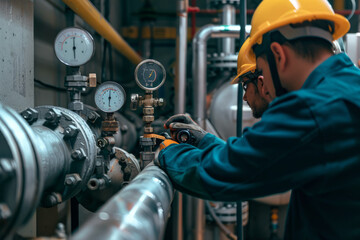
252, 82
308, 140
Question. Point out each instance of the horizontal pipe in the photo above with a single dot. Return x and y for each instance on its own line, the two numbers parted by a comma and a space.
92, 16
139, 211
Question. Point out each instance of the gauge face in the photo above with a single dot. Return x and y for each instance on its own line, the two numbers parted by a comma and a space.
109, 97
150, 74
74, 46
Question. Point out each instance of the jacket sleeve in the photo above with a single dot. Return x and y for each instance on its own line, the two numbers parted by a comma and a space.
278, 153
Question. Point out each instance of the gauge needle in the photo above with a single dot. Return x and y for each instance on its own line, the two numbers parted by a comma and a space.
151, 73
74, 47
109, 98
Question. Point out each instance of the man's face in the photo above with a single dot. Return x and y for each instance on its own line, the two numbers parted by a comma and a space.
263, 66
252, 96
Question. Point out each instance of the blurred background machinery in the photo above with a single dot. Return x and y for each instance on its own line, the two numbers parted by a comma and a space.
72, 166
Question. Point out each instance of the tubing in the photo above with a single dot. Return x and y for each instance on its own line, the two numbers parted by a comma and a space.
139, 211
228, 18
91, 15
180, 77
200, 63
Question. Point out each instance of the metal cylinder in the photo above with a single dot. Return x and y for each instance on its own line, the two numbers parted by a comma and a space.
228, 18
139, 211
38, 164
181, 53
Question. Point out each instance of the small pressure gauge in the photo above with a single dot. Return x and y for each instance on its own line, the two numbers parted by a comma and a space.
74, 46
150, 74
109, 97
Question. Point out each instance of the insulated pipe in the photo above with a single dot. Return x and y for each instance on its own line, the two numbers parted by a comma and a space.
200, 63
228, 18
91, 15
181, 47
139, 211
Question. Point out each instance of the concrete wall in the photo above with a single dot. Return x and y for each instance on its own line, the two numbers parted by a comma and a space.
17, 53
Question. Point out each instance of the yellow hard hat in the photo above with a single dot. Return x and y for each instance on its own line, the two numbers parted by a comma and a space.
273, 14
245, 63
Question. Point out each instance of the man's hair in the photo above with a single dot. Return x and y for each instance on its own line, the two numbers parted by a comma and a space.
310, 47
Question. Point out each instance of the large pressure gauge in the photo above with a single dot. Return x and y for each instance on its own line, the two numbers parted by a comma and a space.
109, 97
74, 46
150, 75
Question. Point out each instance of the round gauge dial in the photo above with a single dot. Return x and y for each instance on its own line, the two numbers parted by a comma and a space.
74, 46
109, 97
150, 74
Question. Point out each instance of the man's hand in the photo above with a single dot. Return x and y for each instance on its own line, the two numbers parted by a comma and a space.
184, 130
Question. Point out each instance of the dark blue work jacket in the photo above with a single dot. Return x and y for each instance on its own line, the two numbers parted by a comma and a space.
308, 141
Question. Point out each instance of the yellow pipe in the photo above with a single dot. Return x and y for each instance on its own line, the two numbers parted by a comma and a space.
91, 15
339, 4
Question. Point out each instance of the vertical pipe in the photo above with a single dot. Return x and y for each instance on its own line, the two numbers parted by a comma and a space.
228, 18
239, 114
181, 47
180, 102
199, 78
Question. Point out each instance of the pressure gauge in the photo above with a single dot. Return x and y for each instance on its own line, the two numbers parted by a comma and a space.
74, 46
150, 74
109, 97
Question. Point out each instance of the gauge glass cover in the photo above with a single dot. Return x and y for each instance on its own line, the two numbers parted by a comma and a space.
150, 74
74, 46
110, 97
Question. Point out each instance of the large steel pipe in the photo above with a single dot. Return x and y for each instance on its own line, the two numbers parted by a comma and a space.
139, 211
44, 159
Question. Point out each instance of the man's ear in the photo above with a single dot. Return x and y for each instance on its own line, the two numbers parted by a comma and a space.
263, 90
279, 55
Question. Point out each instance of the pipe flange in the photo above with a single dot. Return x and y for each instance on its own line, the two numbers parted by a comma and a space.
123, 168
20, 171
220, 3
222, 61
80, 142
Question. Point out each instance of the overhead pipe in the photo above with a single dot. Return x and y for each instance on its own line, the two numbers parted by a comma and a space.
139, 211
86, 10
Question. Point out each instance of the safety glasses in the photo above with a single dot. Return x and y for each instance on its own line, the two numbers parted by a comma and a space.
252, 78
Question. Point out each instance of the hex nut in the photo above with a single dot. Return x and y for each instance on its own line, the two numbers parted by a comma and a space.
76, 106
53, 116
70, 131
5, 211
78, 154
30, 115
72, 179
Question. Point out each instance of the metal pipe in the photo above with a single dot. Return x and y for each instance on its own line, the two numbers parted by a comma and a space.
181, 46
200, 63
199, 85
228, 18
38, 165
93, 17
139, 211
239, 227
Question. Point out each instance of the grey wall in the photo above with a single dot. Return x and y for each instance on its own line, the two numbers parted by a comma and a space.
17, 53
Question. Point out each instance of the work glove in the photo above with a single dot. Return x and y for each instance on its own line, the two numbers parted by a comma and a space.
164, 144
184, 130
